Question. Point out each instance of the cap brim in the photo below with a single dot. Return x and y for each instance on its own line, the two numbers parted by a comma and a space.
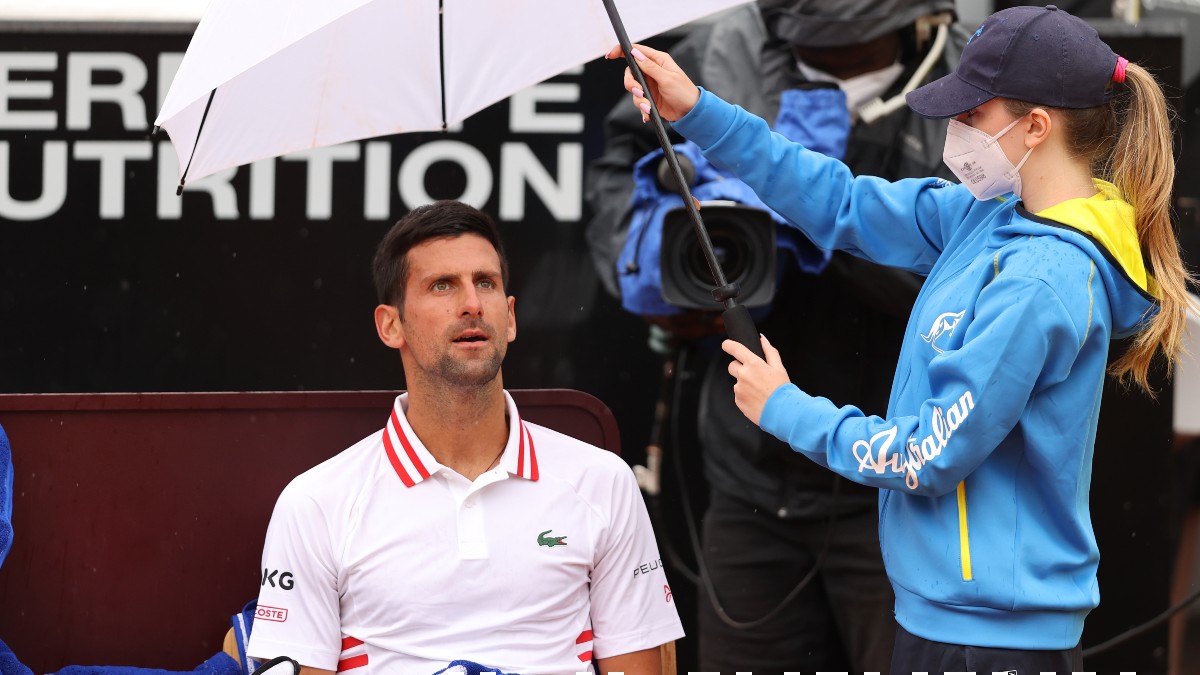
946, 97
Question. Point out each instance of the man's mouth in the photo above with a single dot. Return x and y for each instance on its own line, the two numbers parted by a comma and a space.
471, 336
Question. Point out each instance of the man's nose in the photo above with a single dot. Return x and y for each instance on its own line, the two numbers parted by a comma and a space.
471, 305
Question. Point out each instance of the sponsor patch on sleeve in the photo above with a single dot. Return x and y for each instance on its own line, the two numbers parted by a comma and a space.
265, 613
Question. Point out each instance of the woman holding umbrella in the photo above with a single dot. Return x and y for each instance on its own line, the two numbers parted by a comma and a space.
1057, 240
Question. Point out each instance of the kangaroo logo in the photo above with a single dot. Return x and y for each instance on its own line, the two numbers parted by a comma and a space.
551, 542
943, 326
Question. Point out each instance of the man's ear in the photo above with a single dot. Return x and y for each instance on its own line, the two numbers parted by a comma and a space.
387, 324
512, 318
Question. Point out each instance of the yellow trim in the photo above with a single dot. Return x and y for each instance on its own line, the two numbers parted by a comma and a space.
1091, 303
964, 539
1110, 220
996, 265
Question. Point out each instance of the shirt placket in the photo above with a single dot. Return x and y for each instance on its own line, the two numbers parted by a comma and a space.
469, 512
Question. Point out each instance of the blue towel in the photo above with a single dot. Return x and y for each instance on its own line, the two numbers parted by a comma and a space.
9, 665
468, 668
6, 489
220, 664
243, 622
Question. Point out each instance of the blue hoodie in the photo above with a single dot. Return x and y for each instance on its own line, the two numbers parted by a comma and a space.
985, 457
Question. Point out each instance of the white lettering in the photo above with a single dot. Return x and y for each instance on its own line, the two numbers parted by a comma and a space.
31, 120
524, 117
217, 185
955, 416
54, 184
112, 156
82, 92
916, 453
938, 422
879, 462
411, 180
262, 189
518, 166
377, 181
168, 65
319, 204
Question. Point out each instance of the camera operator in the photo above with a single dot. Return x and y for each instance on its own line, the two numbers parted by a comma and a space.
773, 515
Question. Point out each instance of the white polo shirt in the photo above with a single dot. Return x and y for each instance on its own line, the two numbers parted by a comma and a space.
381, 560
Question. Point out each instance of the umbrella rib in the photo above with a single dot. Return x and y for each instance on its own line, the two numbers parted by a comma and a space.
200, 130
442, 57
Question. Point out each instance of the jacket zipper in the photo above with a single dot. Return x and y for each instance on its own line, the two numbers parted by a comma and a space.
964, 539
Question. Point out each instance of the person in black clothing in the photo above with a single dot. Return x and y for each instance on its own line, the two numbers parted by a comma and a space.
773, 515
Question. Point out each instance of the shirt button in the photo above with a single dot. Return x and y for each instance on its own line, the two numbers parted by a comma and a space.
469, 502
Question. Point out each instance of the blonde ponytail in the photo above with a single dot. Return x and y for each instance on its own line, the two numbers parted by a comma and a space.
1142, 167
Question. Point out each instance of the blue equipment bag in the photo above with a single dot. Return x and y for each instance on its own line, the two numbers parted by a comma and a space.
816, 118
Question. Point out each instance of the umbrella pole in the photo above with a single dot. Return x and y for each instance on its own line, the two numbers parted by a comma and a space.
738, 322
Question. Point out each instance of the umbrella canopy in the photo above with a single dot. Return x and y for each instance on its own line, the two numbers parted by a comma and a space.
263, 78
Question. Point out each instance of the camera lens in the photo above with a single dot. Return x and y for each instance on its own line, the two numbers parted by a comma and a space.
743, 240
731, 253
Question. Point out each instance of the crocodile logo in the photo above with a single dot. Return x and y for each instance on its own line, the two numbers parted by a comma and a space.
551, 542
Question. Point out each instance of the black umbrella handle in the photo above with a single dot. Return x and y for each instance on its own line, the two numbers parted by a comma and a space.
738, 322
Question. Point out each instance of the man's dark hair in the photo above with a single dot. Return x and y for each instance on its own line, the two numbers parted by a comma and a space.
439, 220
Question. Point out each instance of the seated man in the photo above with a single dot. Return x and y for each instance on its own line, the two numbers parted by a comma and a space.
460, 531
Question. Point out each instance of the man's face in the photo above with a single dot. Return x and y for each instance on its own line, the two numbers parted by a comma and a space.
850, 61
457, 322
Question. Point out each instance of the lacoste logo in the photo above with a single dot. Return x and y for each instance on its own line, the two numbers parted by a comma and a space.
264, 613
943, 326
543, 540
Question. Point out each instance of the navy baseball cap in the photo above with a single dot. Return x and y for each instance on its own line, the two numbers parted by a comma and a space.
1039, 55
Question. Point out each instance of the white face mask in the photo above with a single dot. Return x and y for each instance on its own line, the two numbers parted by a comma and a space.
860, 89
979, 161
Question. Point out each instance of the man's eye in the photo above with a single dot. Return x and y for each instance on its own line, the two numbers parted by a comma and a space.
441, 285
487, 283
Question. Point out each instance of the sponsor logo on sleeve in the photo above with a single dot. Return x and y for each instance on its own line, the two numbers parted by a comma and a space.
278, 579
647, 567
667, 593
265, 613
876, 455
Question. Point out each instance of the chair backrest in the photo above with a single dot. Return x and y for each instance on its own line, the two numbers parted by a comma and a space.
139, 518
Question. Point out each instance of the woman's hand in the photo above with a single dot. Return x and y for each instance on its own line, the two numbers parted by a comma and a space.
756, 379
673, 91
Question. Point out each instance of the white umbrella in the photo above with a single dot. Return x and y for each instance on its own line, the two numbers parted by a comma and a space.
262, 78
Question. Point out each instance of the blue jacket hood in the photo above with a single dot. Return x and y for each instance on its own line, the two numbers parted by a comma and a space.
1105, 226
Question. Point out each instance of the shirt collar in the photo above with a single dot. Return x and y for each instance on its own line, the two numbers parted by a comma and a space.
413, 462
520, 457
